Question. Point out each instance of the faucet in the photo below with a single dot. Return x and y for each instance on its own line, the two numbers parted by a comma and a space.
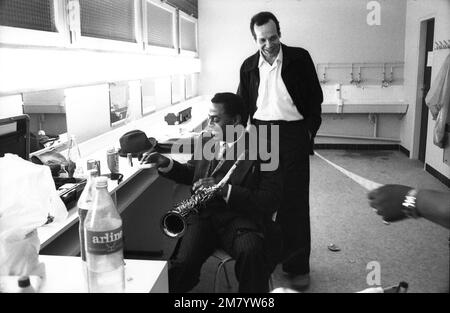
324, 79
352, 80
357, 81
387, 82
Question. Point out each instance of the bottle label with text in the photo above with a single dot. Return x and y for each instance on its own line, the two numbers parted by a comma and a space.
104, 242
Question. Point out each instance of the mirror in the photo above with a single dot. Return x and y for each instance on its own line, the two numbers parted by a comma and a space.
177, 88
156, 94
47, 111
191, 85
119, 97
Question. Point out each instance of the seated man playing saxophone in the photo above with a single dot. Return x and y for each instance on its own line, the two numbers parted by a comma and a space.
238, 218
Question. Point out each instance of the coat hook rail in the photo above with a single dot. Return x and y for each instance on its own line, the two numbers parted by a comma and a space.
442, 44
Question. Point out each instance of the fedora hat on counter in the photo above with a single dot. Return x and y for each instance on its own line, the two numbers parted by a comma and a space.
135, 142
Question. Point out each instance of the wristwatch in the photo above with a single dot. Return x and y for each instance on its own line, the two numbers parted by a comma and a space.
409, 204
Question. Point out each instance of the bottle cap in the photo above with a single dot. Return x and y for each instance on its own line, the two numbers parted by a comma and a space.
24, 281
101, 181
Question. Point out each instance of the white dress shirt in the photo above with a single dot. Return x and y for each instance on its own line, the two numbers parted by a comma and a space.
274, 101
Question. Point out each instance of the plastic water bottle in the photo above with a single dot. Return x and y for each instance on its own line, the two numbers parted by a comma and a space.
84, 205
104, 242
73, 158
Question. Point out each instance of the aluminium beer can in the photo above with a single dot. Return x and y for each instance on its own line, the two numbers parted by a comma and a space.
112, 157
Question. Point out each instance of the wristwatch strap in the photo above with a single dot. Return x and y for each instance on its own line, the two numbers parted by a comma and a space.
409, 204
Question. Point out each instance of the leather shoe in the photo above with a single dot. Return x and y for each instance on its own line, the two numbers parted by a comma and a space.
300, 282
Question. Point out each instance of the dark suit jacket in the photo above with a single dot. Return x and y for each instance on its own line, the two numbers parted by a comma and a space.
300, 77
255, 194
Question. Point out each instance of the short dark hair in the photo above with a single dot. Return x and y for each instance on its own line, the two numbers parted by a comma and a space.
233, 105
262, 18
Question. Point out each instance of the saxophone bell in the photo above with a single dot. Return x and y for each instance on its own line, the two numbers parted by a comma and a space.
173, 224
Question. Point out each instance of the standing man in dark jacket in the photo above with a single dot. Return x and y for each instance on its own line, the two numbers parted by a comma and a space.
279, 85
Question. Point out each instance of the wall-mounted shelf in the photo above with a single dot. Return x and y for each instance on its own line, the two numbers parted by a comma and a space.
362, 107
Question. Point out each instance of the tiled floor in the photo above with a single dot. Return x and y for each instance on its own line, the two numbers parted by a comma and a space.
415, 251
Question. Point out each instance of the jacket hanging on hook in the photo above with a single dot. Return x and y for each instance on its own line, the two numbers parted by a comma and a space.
438, 101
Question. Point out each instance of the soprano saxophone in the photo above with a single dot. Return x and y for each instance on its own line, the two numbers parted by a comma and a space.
173, 223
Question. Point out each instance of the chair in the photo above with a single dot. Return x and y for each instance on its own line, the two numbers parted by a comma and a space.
224, 258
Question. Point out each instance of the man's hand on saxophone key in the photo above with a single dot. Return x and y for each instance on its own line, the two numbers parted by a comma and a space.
203, 183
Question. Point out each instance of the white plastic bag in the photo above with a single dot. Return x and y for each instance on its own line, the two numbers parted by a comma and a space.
27, 196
